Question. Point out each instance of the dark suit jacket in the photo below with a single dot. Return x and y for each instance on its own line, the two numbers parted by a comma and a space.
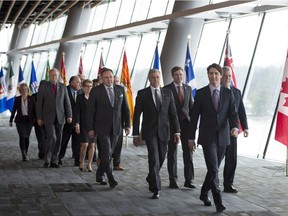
81, 111
153, 121
188, 102
213, 125
102, 117
240, 107
19, 115
72, 101
50, 106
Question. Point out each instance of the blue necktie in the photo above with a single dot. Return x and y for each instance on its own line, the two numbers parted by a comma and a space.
215, 99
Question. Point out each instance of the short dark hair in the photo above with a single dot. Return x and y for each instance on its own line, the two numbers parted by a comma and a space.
176, 68
104, 69
216, 66
73, 78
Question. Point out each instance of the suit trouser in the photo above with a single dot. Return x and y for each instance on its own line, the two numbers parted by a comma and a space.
117, 151
68, 130
230, 162
40, 135
52, 142
157, 150
187, 155
213, 155
107, 145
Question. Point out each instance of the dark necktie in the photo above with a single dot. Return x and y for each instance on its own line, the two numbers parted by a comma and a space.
215, 99
75, 95
111, 96
54, 88
157, 99
180, 95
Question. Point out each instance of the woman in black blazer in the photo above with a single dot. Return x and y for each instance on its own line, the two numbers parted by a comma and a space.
81, 125
25, 107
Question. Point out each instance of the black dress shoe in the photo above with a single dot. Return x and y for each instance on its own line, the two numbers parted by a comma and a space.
156, 195
220, 207
54, 165
189, 185
174, 185
206, 200
46, 165
60, 162
230, 189
102, 182
113, 184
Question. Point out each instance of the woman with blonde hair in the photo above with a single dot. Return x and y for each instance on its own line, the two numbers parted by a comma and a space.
25, 107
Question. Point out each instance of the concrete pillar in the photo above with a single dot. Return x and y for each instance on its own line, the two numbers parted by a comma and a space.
77, 23
175, 44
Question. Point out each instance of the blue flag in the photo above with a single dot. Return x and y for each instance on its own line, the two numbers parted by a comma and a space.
20, 80
156, 64
190, 77
3, 93
33, 80
11, 88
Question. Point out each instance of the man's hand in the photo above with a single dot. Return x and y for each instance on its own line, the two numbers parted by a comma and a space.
192, 145
69, 120
127, 131
91, 134
246, 133
40, 122
235, 132
176, 138
136, 141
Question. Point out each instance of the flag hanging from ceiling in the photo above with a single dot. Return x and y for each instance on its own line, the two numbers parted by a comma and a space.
3, 93
11, 88
33, 80
63, 71
157, 64
228, 61
281, 134
190, 76
101, 64
125, 80
20, 80
80, 70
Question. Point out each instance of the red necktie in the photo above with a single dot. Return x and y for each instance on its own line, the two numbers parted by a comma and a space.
54, 88
180, 95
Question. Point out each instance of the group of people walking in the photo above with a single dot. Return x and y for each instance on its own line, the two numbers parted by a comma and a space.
169, 116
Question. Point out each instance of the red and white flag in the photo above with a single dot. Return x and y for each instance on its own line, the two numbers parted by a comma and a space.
281, 134
228, 61
101, 64
81, 70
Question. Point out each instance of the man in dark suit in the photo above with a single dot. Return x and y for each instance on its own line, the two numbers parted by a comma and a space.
107, 106
159, 111
73, 90
52, 109
183, 100
231, 150
215, 105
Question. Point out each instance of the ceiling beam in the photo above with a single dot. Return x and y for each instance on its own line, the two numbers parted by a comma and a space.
19, 12
86, 3
8, 13
28, 14
96, 3
71, 4
52, 11
40, 12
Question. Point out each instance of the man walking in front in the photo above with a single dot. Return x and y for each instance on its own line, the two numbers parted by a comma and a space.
107, 109
183, 100
158, 108
52, 109
215, 106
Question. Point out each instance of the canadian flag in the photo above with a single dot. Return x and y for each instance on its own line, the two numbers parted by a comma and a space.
281, 133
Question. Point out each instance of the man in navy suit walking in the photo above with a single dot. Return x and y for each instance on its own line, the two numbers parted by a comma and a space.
215, 106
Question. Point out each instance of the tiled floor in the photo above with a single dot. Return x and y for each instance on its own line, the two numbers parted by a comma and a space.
29, 189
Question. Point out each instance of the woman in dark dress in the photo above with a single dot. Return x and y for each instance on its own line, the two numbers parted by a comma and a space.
81, 126
25, 107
